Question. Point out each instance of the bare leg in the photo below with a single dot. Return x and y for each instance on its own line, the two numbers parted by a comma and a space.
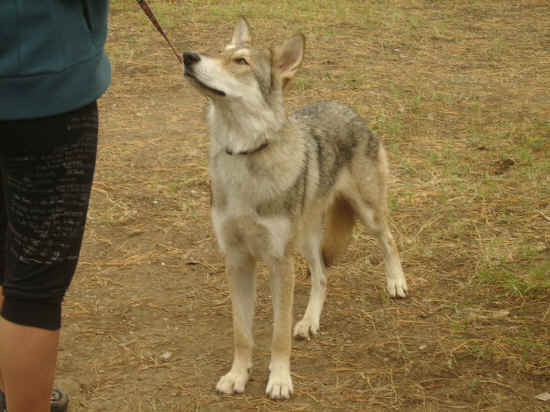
311, 249
27, 366
242, 282
279, 385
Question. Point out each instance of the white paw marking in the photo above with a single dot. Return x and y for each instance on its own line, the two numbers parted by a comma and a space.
232, 382
306, 328
279, 385
397, 286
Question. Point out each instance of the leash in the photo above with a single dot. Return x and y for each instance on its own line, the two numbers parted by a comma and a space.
151, 16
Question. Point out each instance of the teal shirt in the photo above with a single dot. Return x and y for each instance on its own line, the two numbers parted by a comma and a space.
52, 57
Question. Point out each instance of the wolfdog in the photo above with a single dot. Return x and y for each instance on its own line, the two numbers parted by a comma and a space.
280, 181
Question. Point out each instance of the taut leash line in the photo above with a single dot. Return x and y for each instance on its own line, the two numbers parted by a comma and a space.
151, 16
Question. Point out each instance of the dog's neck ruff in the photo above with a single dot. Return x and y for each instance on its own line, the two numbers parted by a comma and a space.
237, 129
247, 152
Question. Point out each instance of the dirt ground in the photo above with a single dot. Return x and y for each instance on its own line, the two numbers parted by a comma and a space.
459, 94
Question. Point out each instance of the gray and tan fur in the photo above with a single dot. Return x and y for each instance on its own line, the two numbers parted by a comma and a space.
282, 181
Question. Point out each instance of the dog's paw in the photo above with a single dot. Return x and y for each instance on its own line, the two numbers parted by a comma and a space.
279, 385
306, 328
232, 382
397, 287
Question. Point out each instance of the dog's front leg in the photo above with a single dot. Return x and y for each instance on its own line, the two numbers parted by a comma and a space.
242, 282
279, 385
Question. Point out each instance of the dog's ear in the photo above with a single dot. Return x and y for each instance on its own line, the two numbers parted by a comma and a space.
288, 58
241, 33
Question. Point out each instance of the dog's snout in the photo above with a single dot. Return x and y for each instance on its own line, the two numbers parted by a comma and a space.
190, 58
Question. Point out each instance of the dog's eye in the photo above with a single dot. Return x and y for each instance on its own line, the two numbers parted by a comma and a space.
241, 60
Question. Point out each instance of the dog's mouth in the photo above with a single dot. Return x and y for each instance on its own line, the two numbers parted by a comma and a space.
191, 75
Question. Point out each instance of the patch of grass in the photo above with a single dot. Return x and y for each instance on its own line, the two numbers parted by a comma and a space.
524, 281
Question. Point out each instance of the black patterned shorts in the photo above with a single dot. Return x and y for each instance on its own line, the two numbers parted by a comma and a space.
46, 173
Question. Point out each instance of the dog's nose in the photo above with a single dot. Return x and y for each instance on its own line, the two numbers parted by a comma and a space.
190, 58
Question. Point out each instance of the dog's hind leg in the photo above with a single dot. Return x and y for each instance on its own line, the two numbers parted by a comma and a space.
377, 224
369, 203
279, 384
311, 249
242, 281
396, 282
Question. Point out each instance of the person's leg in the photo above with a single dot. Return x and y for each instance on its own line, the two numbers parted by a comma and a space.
47, 171
27, 358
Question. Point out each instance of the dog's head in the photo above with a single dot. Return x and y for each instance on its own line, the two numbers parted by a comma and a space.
242, 71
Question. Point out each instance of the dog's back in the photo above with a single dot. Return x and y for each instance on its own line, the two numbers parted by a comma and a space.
333, 132
336, 137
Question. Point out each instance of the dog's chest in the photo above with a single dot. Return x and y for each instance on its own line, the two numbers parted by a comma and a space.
252, 233
235, 185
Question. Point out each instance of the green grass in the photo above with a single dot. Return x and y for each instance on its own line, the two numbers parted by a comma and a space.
529, 280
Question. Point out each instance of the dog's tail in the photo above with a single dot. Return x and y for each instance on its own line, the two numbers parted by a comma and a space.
339, 222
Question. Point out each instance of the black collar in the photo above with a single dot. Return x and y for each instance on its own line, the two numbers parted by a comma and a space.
247, 152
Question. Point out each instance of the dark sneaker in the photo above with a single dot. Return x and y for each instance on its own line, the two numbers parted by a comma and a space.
59, 400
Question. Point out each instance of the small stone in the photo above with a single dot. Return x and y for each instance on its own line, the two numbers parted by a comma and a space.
166, 356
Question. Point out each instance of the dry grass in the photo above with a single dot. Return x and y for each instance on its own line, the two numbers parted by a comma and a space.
459, 91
